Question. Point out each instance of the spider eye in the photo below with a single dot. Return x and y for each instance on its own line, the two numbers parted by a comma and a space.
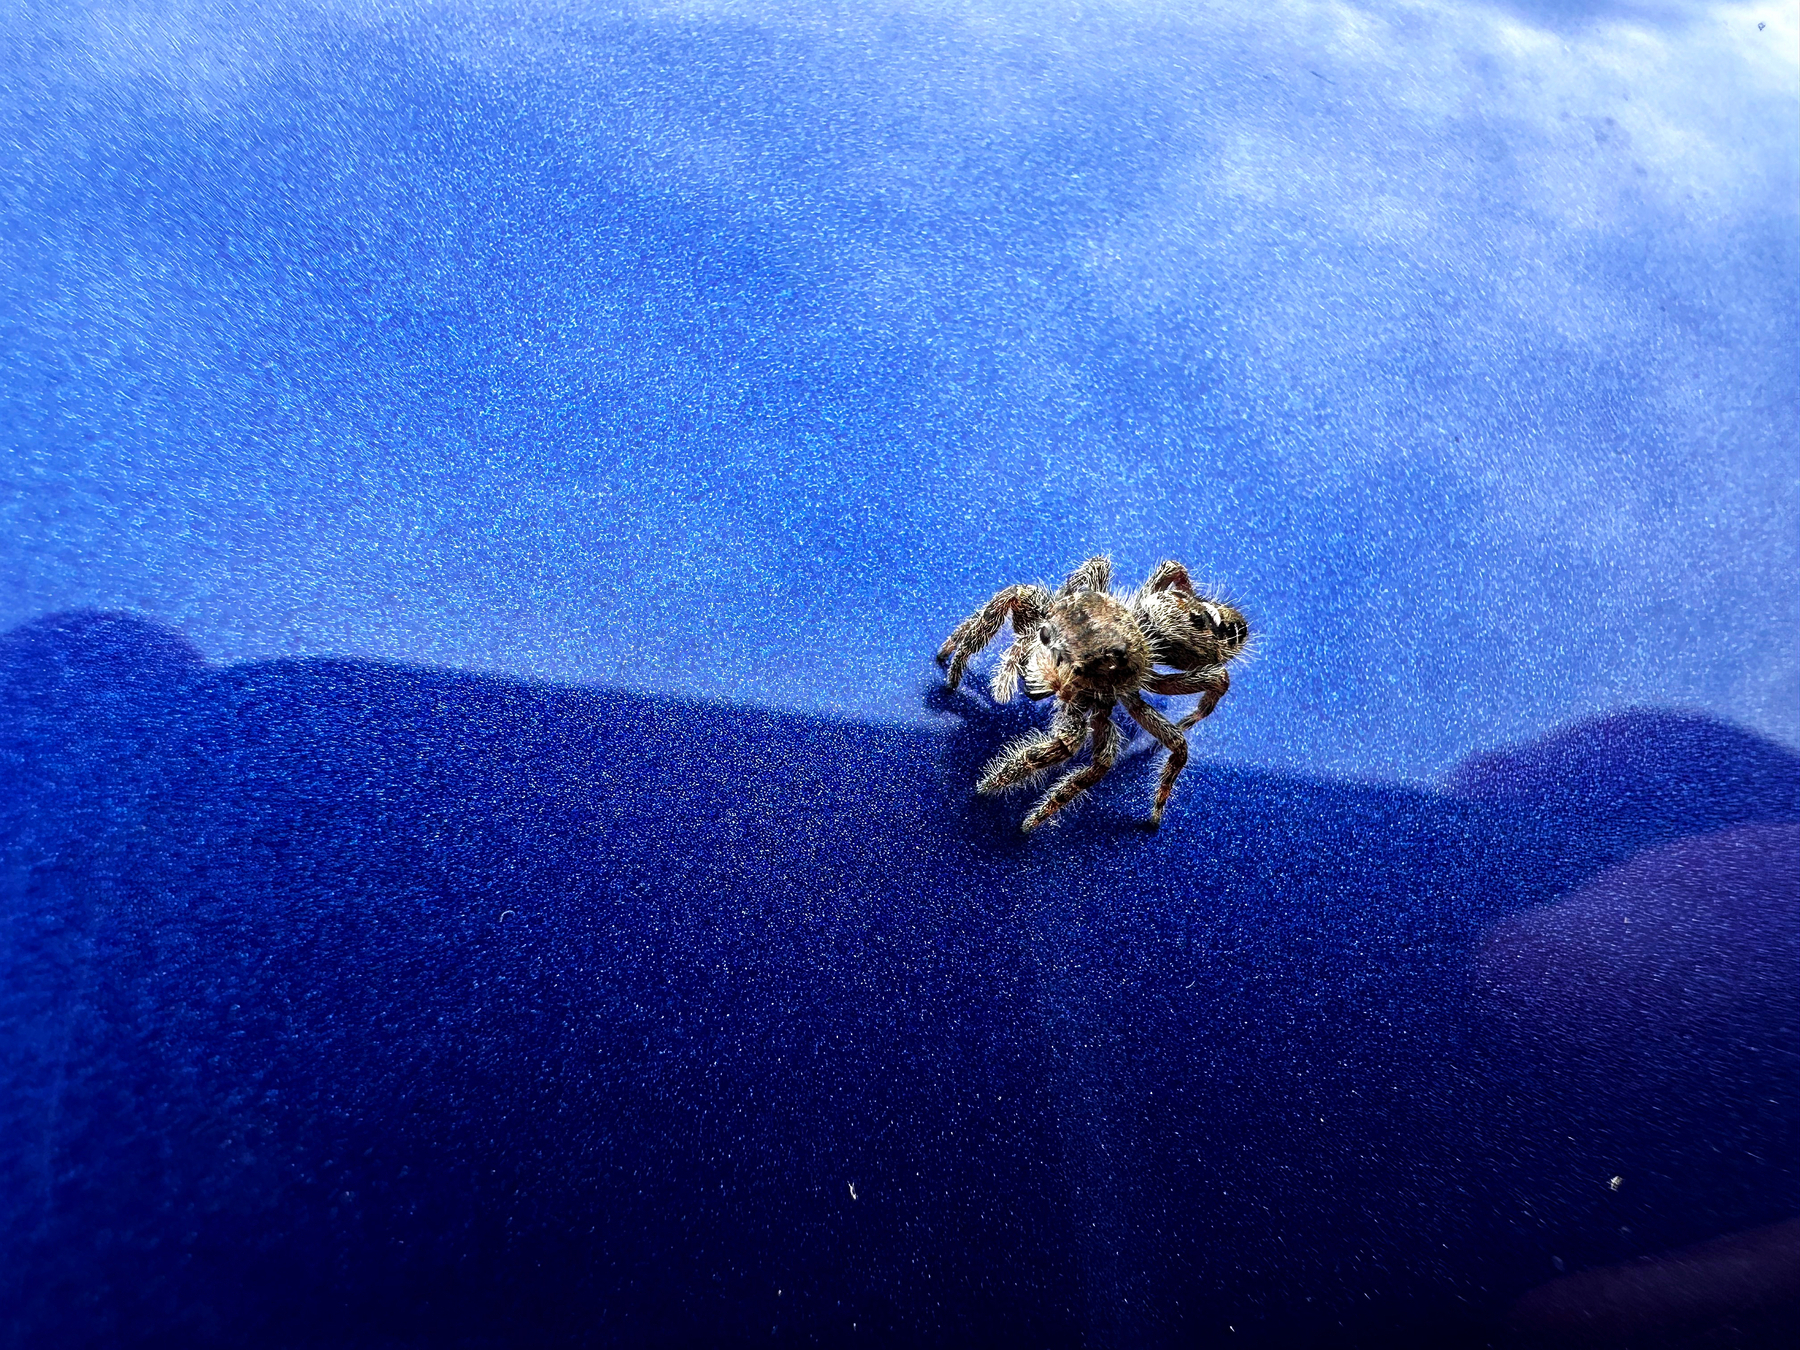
1044, 634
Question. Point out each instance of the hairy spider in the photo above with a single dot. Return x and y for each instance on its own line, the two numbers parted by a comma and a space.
1091, 648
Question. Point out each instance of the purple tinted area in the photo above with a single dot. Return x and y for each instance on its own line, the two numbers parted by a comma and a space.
1632, 1009
1693, 942
1743, 1288
358, 1004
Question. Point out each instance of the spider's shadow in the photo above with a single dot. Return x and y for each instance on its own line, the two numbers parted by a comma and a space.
976, 728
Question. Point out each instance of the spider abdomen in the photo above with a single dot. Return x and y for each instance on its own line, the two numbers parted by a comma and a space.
1094, 646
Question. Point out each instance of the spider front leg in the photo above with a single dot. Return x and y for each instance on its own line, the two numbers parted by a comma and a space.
1165, 731
1212, 684
1106, 751
1012, 666
1031, 756
1209, 700
1026, 604
1169, 574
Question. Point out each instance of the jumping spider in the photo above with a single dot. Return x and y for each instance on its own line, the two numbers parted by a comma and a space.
1091, 649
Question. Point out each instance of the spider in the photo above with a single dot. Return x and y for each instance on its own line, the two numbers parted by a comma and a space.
1092, 648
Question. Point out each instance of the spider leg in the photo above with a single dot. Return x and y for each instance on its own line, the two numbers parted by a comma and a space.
1212, 683
1032, 755
1006, 675
1165, 731
1106, 751
1027, 603
1169, 574
1093, 575
1209, 699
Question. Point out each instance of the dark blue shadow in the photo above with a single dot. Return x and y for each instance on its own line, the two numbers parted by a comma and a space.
353, 1004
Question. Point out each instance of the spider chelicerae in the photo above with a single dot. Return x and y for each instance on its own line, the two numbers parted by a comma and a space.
1089, 648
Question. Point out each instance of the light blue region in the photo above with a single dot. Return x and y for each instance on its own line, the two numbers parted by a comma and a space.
736, 352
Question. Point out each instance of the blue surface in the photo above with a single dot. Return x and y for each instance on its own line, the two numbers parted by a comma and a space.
485, 861
735, 351
362, 1004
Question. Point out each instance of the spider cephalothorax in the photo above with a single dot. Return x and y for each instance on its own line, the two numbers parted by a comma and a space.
1089, 649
